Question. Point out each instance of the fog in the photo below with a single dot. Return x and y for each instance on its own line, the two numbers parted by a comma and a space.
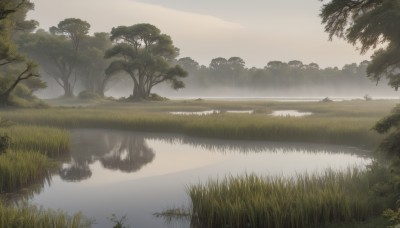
266, 36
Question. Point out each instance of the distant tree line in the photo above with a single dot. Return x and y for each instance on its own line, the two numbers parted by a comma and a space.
232, 72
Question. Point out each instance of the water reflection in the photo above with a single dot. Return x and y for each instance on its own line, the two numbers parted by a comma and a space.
129, 152
139, 174
116, 151
290, 113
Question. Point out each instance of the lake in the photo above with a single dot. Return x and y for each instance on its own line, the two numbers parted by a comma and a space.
138, 174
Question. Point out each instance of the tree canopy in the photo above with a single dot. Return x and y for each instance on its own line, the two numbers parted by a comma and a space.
372, 24
146, 55
15, 68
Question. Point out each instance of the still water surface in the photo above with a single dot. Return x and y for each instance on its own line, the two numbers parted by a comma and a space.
138, 174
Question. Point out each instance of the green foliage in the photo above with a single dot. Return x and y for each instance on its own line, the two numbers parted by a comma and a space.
368, 23
393, 216
14, 66
55, 54
146, 55
74, 28
390, 126
25, 216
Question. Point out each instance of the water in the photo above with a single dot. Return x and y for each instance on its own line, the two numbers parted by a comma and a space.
282, 99
200, 113
210, 112
290, 113
137, 174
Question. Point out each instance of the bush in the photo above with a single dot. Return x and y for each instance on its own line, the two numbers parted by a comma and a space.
326, 99
87, 95
156, 97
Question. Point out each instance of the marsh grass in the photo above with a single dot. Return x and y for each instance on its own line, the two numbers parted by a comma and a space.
302, 201
19, 169
31, 217
52, 142
321, 128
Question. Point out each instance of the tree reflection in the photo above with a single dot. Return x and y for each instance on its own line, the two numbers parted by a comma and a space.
114, 150
130, 155
75, 172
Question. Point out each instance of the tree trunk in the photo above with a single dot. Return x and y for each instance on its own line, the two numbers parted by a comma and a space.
68, 90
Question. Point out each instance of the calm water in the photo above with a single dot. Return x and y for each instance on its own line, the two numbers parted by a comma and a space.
290, 113
137, 174
210, 112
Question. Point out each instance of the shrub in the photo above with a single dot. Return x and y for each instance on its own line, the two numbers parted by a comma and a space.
87, 95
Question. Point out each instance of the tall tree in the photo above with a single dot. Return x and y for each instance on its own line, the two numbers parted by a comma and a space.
74, 28
92, 64
372, 23
55, 55
146, 56
236, 65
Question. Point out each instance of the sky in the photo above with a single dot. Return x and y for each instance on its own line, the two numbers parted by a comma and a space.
258, 31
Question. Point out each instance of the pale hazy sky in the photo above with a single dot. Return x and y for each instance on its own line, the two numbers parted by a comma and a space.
259, 31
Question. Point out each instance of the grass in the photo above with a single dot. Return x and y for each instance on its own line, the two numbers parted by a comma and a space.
52, 142
28, 161
303, 201
20, 169
306, 201
346, 123
31, 217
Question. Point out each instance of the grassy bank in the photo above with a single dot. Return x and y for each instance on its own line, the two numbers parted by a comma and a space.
19, 169
28, 160
52, 142
347, 122
304, 201
32, 217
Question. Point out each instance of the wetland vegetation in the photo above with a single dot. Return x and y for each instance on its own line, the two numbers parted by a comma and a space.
248, 163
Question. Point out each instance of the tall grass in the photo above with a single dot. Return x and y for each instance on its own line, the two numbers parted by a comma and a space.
50, 141
354, 131
20, 169
302, 201
31, 217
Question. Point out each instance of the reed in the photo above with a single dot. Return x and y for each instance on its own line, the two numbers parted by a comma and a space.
301, 201
31, 217
52, 142
19, 169
348, 130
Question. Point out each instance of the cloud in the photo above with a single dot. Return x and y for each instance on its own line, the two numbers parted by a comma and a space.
105, 14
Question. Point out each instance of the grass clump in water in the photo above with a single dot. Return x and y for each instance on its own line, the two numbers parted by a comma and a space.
303, 201
31, 217
20, 169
